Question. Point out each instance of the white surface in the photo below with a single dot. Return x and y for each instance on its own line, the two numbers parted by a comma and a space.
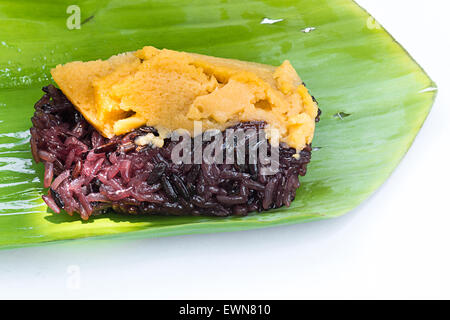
396, 245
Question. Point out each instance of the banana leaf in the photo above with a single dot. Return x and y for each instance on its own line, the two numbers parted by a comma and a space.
373, 95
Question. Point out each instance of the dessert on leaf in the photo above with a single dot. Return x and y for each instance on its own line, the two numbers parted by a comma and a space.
106, 136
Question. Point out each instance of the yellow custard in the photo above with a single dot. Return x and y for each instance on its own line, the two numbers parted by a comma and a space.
171, 89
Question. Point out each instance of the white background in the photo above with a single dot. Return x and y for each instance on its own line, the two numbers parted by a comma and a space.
395, 245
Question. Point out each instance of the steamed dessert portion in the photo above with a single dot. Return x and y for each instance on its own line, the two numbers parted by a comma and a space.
169, 89
93, 133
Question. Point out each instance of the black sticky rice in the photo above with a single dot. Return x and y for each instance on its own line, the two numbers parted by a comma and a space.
89, 174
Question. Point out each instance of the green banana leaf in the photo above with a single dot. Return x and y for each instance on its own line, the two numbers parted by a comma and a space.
374, 98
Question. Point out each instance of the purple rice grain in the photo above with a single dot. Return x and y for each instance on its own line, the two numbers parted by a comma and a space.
90, 174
